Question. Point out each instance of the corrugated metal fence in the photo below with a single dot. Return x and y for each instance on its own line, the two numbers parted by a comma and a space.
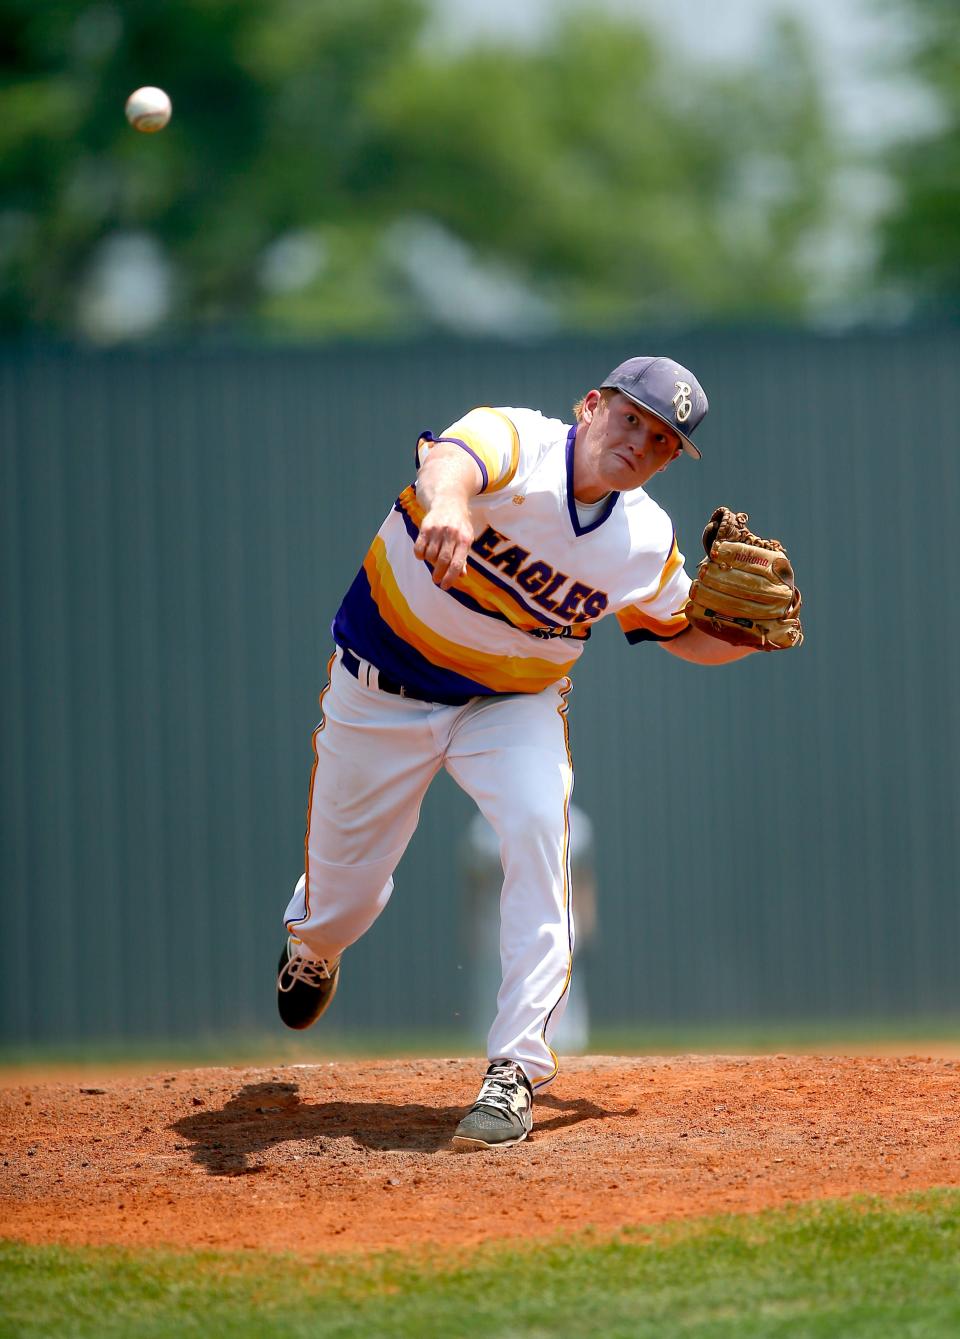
778, 838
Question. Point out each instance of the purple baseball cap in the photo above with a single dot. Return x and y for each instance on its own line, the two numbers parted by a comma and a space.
666, 389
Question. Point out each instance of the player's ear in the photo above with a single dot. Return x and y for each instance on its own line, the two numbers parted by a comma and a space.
591, 402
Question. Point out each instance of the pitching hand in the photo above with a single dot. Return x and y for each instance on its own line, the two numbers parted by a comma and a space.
444, 540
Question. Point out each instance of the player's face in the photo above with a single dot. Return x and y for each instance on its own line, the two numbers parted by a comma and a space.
624, 446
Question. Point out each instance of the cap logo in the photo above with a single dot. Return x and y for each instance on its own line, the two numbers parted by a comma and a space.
682, 402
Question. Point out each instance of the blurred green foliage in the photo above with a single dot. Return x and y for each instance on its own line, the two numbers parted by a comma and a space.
332, 169
921, 236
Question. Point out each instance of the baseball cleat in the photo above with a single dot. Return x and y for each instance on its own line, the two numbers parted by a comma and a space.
502, 1115
305, 985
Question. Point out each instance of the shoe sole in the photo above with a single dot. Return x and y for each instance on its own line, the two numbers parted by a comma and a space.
463, 1144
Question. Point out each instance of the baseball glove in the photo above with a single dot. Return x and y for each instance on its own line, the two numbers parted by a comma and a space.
744, 592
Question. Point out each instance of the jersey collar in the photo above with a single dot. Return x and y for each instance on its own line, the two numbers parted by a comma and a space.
601, 516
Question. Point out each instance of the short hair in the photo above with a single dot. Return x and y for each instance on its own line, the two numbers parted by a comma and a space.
606, 395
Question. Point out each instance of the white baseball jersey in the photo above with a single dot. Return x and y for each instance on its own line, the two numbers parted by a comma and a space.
537, 578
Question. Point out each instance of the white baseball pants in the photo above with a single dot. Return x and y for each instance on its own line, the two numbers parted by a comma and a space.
376, 754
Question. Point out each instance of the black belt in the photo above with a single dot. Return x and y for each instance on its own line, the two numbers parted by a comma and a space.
388, 685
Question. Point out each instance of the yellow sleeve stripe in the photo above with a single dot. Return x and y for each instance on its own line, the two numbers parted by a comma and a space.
492, 437
674, 560
514, 458
635, 618
502, 674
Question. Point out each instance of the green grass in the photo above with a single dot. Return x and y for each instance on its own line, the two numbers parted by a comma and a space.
282, 1048
795, 1036
861, 1270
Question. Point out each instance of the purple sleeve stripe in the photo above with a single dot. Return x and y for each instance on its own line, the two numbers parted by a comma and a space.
645, 635
483, 468
457, 441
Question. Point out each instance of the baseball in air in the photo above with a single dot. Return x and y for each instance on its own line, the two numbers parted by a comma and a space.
148, 109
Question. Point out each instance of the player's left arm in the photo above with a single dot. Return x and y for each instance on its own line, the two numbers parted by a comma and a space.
694, 646
662, 617
743, 598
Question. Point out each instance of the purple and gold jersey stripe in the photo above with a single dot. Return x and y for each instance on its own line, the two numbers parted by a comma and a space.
482, 590
359, 626
498, 673
636, 620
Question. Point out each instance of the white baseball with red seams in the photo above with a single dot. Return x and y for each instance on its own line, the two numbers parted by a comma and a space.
148, 109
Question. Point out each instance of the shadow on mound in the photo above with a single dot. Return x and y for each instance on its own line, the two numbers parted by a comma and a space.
263, 1115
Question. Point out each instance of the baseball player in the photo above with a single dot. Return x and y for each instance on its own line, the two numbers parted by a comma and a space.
454, 647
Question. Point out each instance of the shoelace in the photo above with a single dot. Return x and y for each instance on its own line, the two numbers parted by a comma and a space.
497, 1088
311, 971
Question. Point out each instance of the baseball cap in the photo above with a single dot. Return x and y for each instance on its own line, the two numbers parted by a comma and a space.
666, 389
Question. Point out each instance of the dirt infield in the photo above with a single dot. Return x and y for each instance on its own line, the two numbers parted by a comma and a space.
347, 1155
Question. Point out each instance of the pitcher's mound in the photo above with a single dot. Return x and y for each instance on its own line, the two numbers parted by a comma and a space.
349, 1155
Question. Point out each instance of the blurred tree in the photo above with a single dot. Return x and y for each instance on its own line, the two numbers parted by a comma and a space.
921, 236
616, 182
329, 170
269, 132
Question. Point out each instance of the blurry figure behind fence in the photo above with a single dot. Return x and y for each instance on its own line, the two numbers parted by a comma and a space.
482, 877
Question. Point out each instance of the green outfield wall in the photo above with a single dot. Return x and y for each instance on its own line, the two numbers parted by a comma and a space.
777, 839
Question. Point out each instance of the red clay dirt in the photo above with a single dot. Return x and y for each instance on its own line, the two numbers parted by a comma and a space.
356, 1156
